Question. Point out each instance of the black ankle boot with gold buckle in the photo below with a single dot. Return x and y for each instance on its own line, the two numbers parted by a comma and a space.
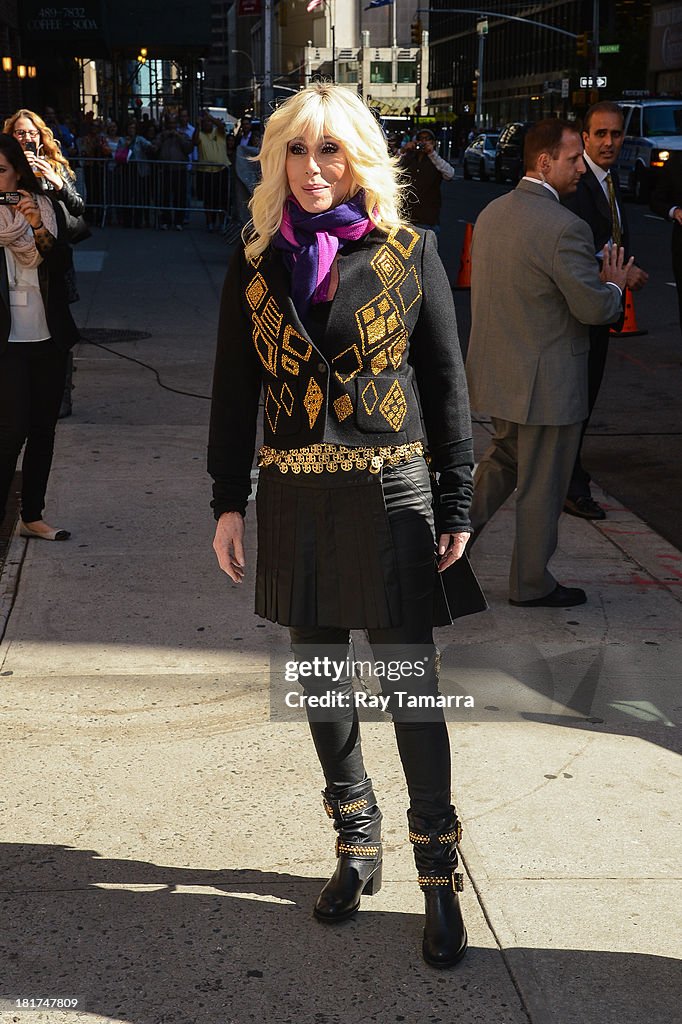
435, 854
357, 819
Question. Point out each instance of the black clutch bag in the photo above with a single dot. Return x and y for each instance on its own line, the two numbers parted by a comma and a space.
457, 592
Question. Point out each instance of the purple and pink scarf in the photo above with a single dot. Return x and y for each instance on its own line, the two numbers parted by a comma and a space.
310, 242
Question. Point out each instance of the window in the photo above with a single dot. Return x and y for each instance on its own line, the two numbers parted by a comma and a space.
662, 120
346, 71
407, 71
380, 72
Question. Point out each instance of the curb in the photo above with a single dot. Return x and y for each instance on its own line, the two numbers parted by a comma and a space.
10, 575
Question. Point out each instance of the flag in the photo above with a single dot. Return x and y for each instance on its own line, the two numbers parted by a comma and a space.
378, 3
313, 4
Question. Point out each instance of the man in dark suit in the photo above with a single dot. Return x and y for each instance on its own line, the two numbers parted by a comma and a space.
597, 201
666, 201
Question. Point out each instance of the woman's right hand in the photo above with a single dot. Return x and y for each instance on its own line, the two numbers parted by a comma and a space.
28, 205
228, 545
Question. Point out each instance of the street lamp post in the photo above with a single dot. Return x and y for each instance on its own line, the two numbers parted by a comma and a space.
266, 93
332, 28
253, 75
482, 29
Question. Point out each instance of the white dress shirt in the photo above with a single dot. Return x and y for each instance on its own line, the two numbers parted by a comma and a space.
601, 176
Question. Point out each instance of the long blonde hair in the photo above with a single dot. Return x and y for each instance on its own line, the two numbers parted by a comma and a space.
51, 147
324, 109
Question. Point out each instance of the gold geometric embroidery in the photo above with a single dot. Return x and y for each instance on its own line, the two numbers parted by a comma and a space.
343, 407
255, 291
379, 363
256, 261
287, 399
409, 290
347, 364
404, 240
395, 352
266, 327
394, 406
312, 403
297, 346
289, 364
301, 351
370, 397
379, 322
387, 266
271, 318
265, 348
272, 408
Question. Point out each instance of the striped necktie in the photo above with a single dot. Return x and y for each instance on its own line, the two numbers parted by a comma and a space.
616, 233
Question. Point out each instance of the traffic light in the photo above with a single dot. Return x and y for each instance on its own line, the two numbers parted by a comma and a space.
416, 32
582, 44
474, 89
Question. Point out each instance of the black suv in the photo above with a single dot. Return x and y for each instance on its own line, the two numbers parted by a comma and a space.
509, 151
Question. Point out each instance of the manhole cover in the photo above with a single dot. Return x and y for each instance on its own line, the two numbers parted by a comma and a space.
106, 335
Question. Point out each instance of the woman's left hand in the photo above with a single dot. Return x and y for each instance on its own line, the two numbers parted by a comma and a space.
450, 548
28, 205
45, 168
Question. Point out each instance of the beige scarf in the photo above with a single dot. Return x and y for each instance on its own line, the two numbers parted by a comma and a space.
16, 233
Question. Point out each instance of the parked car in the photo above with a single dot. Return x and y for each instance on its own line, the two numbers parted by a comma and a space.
652, 129
479, 157
509, 151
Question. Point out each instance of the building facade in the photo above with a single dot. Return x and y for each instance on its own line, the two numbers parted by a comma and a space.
665, 49
11, 91
116, 56
529, 71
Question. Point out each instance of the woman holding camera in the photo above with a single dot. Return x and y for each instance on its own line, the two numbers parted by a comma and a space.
36, 333
45, 157
341, 313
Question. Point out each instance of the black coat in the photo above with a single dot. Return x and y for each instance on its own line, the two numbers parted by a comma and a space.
387, 371
424, 195
51, 271
591, 205
668, 193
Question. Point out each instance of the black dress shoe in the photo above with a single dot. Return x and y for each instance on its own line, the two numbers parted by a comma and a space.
585, 507
560, 597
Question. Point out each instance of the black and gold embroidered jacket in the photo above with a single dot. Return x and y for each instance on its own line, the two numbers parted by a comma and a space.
387, 371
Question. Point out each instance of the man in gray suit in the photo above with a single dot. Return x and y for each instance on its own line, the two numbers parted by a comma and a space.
535, 286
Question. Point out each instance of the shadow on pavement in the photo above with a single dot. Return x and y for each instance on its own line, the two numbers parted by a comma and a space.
148, 944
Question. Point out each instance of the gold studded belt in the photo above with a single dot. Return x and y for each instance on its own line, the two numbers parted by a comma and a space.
328, 458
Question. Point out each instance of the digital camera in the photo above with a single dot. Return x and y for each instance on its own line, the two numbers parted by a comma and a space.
9, 198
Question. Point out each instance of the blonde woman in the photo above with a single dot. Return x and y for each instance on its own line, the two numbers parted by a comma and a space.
44, 155
340, 313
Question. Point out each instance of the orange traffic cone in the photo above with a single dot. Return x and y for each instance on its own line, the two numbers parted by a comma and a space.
464, 274
629, 328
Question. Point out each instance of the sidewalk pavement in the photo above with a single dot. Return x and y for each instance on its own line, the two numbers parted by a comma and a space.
140, 763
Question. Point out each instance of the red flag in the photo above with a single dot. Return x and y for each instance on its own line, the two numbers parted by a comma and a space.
313, 4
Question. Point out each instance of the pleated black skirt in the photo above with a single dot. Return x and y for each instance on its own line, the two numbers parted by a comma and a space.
325, 552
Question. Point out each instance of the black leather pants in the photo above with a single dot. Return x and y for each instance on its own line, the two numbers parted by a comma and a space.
422, 737
31, 388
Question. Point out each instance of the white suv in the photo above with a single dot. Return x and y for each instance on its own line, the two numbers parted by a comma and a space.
653, 127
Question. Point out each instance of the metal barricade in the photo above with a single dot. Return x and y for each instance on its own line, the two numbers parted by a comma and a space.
149, 193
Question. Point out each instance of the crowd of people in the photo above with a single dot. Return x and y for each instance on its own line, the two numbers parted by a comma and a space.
147, 172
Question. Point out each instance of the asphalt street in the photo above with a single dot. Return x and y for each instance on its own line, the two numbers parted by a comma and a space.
633, 448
